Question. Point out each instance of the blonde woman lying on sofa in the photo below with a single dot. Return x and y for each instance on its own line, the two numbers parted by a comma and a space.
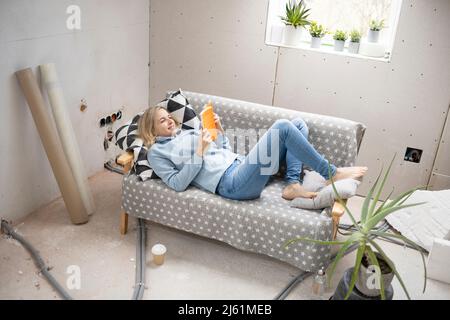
190, 157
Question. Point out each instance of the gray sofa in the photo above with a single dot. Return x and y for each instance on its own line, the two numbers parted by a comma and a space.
262, 225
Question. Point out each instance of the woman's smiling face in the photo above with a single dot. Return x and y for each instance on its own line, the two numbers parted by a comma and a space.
164, 125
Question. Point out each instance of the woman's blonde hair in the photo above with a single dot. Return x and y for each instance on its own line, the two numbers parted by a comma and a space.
146, 125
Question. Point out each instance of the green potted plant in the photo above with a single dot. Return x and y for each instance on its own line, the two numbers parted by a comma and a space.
339, 40
355, 39
374, 30
317, 32
369, 254
295, 19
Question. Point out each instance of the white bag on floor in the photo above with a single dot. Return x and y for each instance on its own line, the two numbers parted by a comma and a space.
423, 223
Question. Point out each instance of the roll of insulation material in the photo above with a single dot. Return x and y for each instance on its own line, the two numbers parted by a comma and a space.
52, 146
66, 133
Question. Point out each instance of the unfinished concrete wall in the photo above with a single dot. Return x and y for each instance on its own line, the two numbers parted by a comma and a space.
218, 47
105, 63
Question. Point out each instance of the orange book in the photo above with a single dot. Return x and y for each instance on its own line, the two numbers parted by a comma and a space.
208, 122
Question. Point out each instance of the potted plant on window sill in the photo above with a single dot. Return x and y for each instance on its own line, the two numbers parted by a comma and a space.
295, 20
355, 39
369, 254
339, 40
317, 32
374, 31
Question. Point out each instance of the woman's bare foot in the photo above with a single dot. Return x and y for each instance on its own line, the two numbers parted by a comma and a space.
296, 190
349, 173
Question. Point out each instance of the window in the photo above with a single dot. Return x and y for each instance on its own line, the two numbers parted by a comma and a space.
338, 14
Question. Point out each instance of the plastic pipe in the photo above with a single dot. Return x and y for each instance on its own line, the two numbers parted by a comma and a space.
139, 287
40, 264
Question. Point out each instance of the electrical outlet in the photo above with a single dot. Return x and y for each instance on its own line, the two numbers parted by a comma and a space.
413, 155
110, 119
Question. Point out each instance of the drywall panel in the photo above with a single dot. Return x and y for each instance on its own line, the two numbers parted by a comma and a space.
403, 103
215, 47
440, 178
439, 182
105, 63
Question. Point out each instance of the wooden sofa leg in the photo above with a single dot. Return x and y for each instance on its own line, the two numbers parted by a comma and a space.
336, 214
123, 223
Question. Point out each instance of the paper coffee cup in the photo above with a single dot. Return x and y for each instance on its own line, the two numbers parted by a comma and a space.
158, 251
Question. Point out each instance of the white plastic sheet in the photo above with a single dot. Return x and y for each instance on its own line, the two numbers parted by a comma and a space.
426, 222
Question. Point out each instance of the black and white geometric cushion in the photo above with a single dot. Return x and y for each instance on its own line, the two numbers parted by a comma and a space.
180, 109
127, 139
127, 135
141, 166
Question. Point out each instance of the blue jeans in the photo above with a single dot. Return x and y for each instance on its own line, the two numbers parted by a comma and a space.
286, 140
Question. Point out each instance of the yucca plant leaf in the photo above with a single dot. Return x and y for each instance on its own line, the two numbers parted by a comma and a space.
391, 265
365, 207
384, 202
338, 258
351, 240
372, 222
402, 196
410, 242
355, 274
374, 261
342, 201
288, 243
377, 196
409, 195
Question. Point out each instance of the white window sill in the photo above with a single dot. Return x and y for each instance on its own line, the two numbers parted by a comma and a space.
329, 49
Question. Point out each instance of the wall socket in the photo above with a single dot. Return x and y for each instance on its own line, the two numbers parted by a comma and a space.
110, 119
413, 155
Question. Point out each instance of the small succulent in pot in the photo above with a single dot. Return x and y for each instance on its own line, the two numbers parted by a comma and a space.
317, 32
355, 39
374, 30
376, 25
339, 37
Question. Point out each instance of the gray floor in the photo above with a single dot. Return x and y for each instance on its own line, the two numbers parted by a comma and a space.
195, 267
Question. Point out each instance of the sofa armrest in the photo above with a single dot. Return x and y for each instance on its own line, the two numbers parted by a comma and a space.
126, 160
337, 212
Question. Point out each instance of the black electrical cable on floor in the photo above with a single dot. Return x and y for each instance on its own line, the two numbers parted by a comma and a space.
40, 264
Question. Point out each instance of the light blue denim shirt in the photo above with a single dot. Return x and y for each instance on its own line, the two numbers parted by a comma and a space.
175, 161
